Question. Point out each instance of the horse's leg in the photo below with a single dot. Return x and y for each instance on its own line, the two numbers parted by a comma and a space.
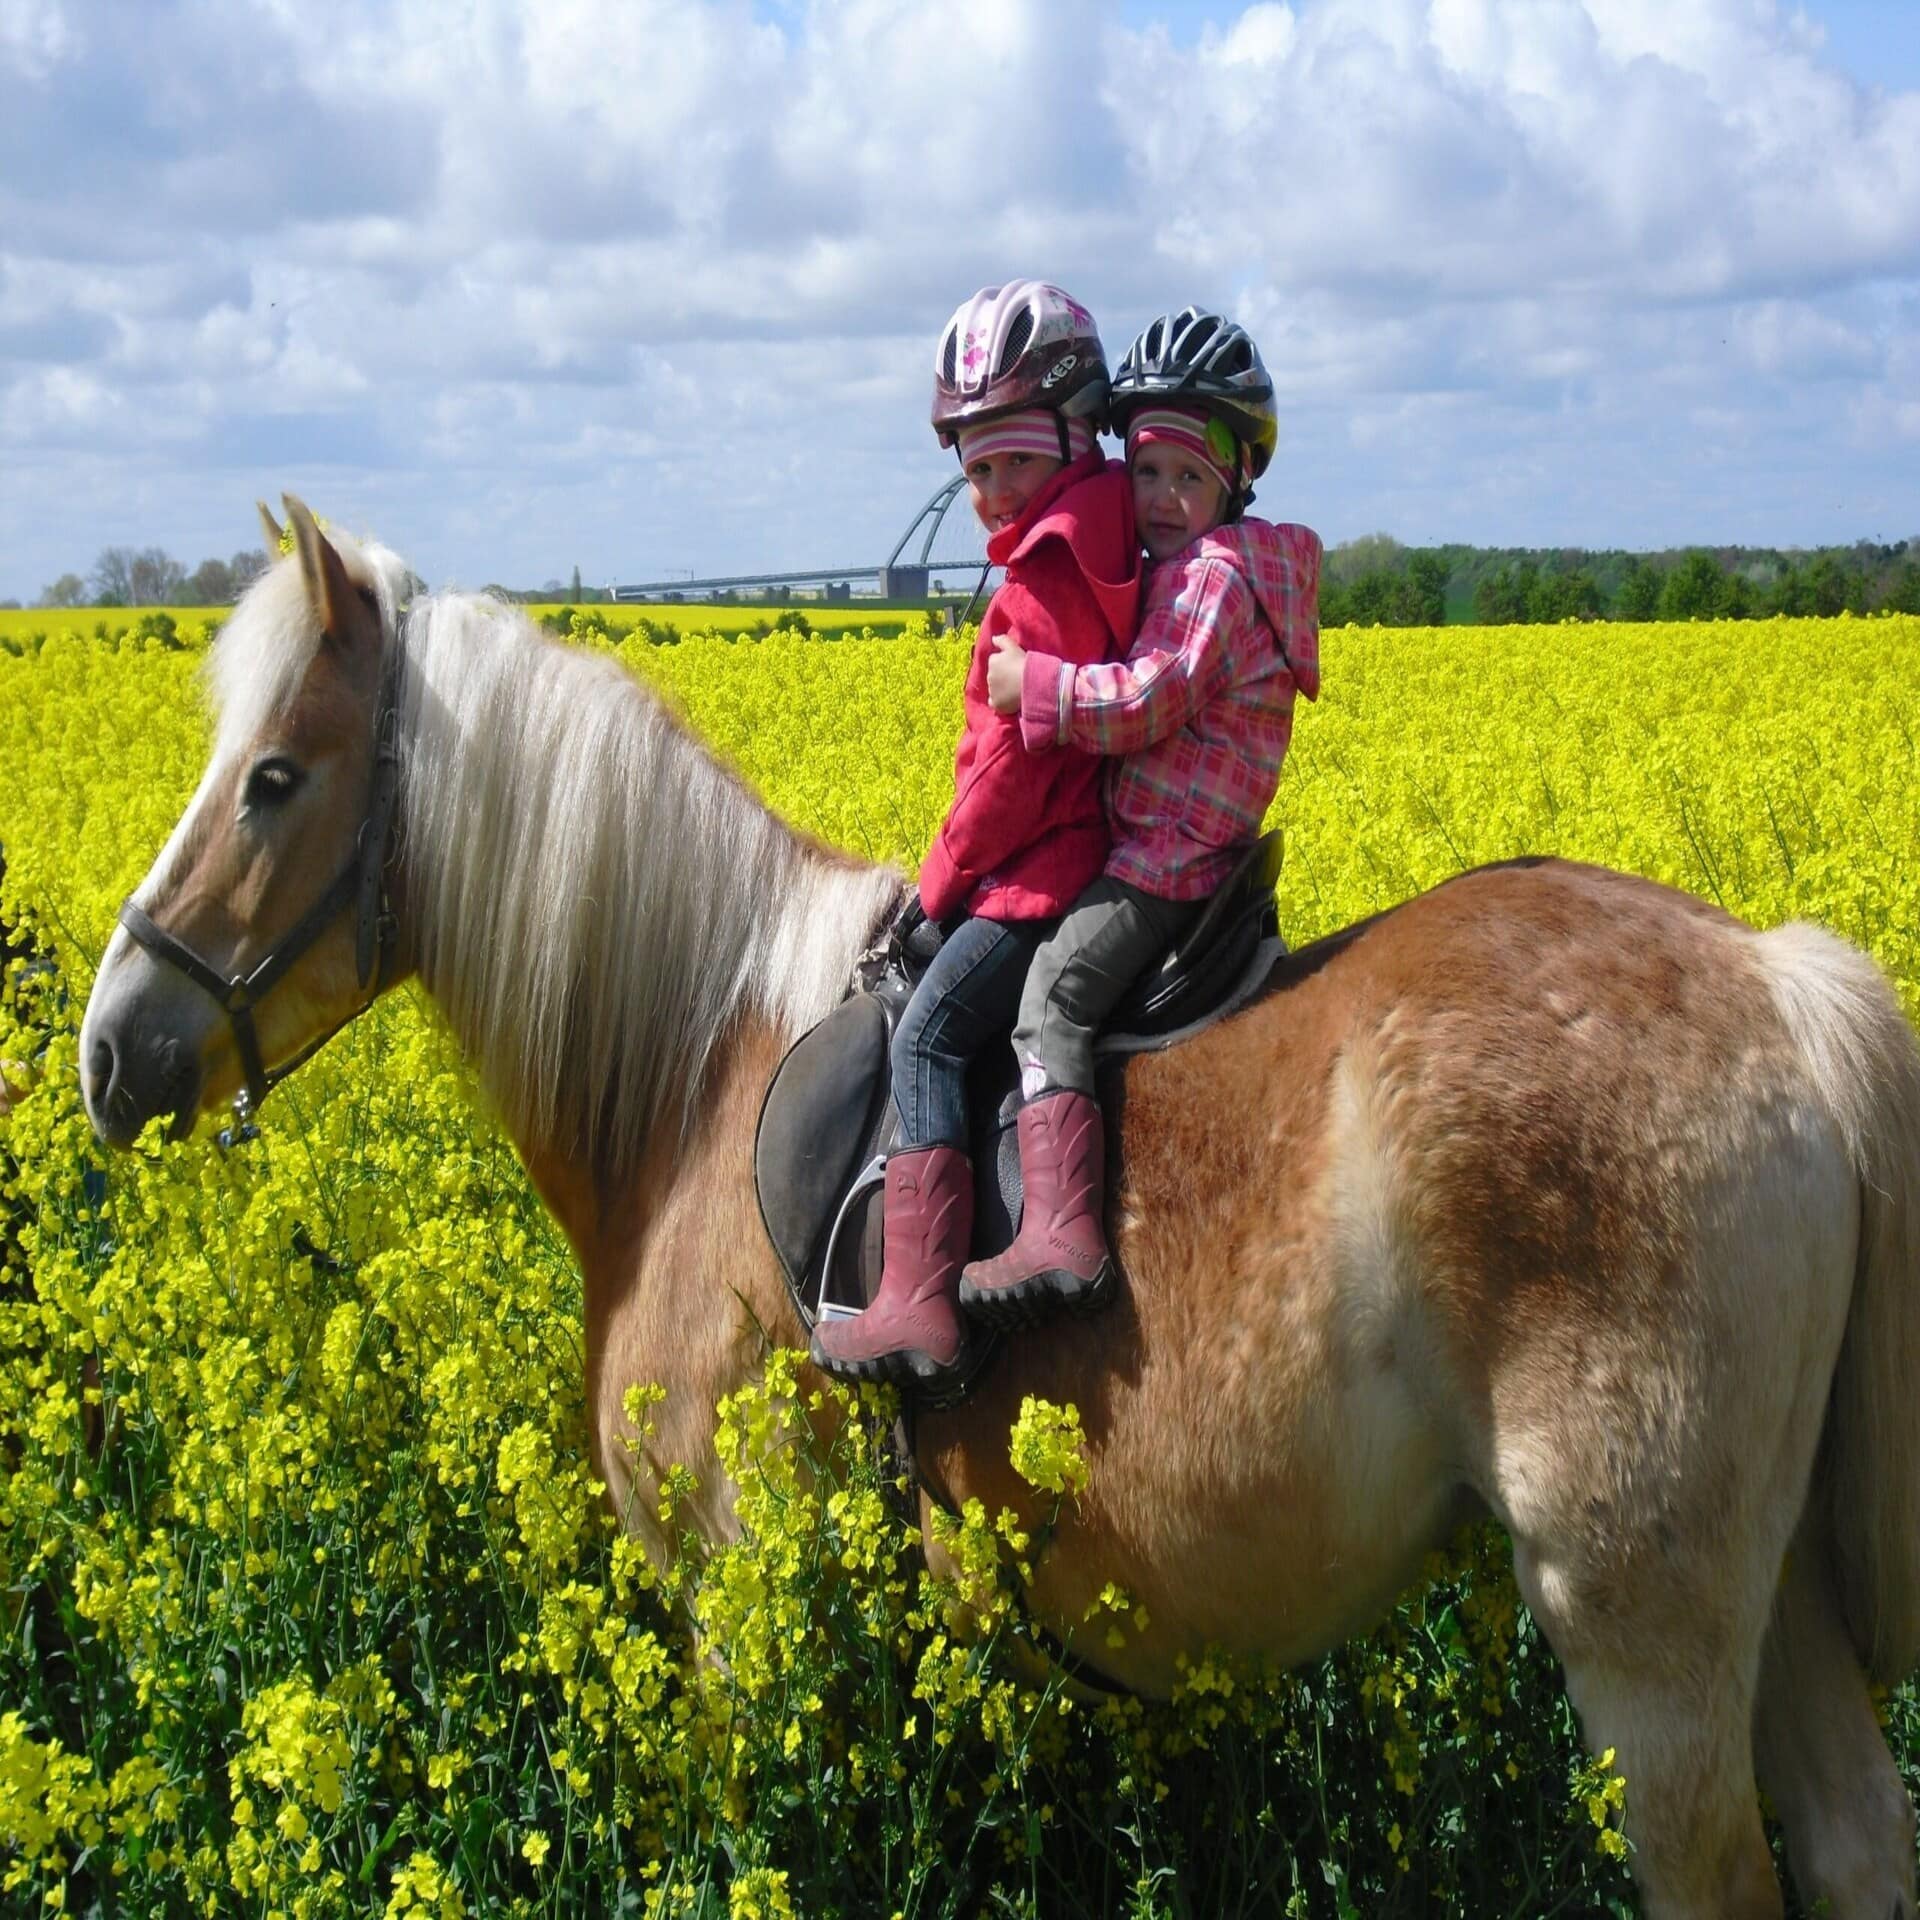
1666, 1679
1652, 1486
1822, 1757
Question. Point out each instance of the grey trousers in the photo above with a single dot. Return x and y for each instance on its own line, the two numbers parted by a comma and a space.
1109, 937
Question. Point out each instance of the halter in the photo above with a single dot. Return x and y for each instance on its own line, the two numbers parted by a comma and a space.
360, 884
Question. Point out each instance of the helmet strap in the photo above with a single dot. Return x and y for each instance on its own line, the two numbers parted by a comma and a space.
1060, 427
1243, 491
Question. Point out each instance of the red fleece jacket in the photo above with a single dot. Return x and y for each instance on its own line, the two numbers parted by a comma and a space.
1028, 831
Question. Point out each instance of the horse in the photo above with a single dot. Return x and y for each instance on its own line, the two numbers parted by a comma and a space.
1551, 1194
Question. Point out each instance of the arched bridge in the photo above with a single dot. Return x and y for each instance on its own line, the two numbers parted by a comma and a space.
902, 575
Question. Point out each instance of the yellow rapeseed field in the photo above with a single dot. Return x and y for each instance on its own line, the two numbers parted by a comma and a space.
851, 619
308, 1604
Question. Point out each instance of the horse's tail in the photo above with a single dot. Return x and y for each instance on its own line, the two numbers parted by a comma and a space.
1864, 1060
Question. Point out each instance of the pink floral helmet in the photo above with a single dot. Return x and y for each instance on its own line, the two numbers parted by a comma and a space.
1026, 344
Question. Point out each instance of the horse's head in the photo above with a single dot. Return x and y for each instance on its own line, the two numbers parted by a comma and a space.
261, 927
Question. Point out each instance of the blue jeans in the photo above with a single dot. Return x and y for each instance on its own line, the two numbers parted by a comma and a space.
965, 1000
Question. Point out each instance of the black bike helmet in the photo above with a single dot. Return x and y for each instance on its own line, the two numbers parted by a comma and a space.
1196, 359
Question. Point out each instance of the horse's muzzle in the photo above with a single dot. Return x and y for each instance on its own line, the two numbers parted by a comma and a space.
129, 1077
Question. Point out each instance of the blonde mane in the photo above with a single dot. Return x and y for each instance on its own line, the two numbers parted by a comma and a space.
592, 898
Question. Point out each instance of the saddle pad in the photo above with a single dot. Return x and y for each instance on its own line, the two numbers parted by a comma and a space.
1246, 986
826, 1127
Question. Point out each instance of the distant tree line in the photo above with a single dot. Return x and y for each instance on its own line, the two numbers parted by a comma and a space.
1377, 581
152, 577
1372, 581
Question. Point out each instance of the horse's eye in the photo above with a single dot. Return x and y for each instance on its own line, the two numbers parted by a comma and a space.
272, 783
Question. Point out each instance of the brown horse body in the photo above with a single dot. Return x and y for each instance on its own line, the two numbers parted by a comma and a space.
1552, 1194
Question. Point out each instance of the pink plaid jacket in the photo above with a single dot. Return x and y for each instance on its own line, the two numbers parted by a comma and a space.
1201, 709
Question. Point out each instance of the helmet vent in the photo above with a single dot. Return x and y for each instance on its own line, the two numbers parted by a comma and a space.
1017, 337
1198, 338
949, 353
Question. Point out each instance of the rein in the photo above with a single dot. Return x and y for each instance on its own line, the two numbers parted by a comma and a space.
360, 884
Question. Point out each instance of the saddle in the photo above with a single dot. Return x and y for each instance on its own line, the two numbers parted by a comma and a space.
828, 1122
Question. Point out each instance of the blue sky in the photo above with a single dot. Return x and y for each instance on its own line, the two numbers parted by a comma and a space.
1876, 42
647, 286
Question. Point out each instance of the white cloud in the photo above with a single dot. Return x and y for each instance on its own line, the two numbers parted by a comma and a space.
36, 36
1260, 37
664, 278
1504, 147
57, 402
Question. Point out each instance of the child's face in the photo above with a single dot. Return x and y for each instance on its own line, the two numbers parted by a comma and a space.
1175, 498
1003, 483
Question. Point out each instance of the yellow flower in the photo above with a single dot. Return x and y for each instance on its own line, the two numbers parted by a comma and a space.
341, 1365
1047, 1447
759, 1894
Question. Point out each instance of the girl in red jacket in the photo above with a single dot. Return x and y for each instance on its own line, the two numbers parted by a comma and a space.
1020, 388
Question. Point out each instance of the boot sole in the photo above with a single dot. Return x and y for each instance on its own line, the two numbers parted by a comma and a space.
1039, 1297
934, 1384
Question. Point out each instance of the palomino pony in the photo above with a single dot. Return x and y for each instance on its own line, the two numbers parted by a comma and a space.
1552, 1194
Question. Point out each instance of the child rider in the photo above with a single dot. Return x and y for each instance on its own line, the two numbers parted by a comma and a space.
1200, 711
1020, 387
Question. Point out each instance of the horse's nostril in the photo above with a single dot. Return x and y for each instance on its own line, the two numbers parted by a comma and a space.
100, 1068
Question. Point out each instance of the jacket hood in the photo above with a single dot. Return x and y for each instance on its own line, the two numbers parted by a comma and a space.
1089, 505
1281, 563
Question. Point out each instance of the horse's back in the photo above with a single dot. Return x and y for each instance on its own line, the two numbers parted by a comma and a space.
1463, 1204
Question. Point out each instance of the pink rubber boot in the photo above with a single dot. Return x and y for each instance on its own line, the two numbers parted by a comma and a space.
1059, 1258
912, 1332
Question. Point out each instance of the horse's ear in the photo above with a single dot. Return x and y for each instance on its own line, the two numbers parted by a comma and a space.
329, 592
276, 534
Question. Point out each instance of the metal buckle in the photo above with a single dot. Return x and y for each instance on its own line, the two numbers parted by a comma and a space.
243, 1129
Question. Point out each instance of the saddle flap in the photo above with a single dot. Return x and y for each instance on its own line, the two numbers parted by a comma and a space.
816, 1123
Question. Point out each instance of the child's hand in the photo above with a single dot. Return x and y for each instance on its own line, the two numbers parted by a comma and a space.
1004, 674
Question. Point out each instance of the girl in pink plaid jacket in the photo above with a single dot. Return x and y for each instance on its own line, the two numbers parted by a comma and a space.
1199, 715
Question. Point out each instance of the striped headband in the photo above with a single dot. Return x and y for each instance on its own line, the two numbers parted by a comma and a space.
1210, 441
1032, 430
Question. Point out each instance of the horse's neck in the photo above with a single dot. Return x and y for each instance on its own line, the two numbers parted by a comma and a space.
596, 902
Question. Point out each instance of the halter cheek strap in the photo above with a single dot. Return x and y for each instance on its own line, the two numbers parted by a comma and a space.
361, 884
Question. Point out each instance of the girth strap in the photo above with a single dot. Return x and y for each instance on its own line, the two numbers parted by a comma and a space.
905, 1501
